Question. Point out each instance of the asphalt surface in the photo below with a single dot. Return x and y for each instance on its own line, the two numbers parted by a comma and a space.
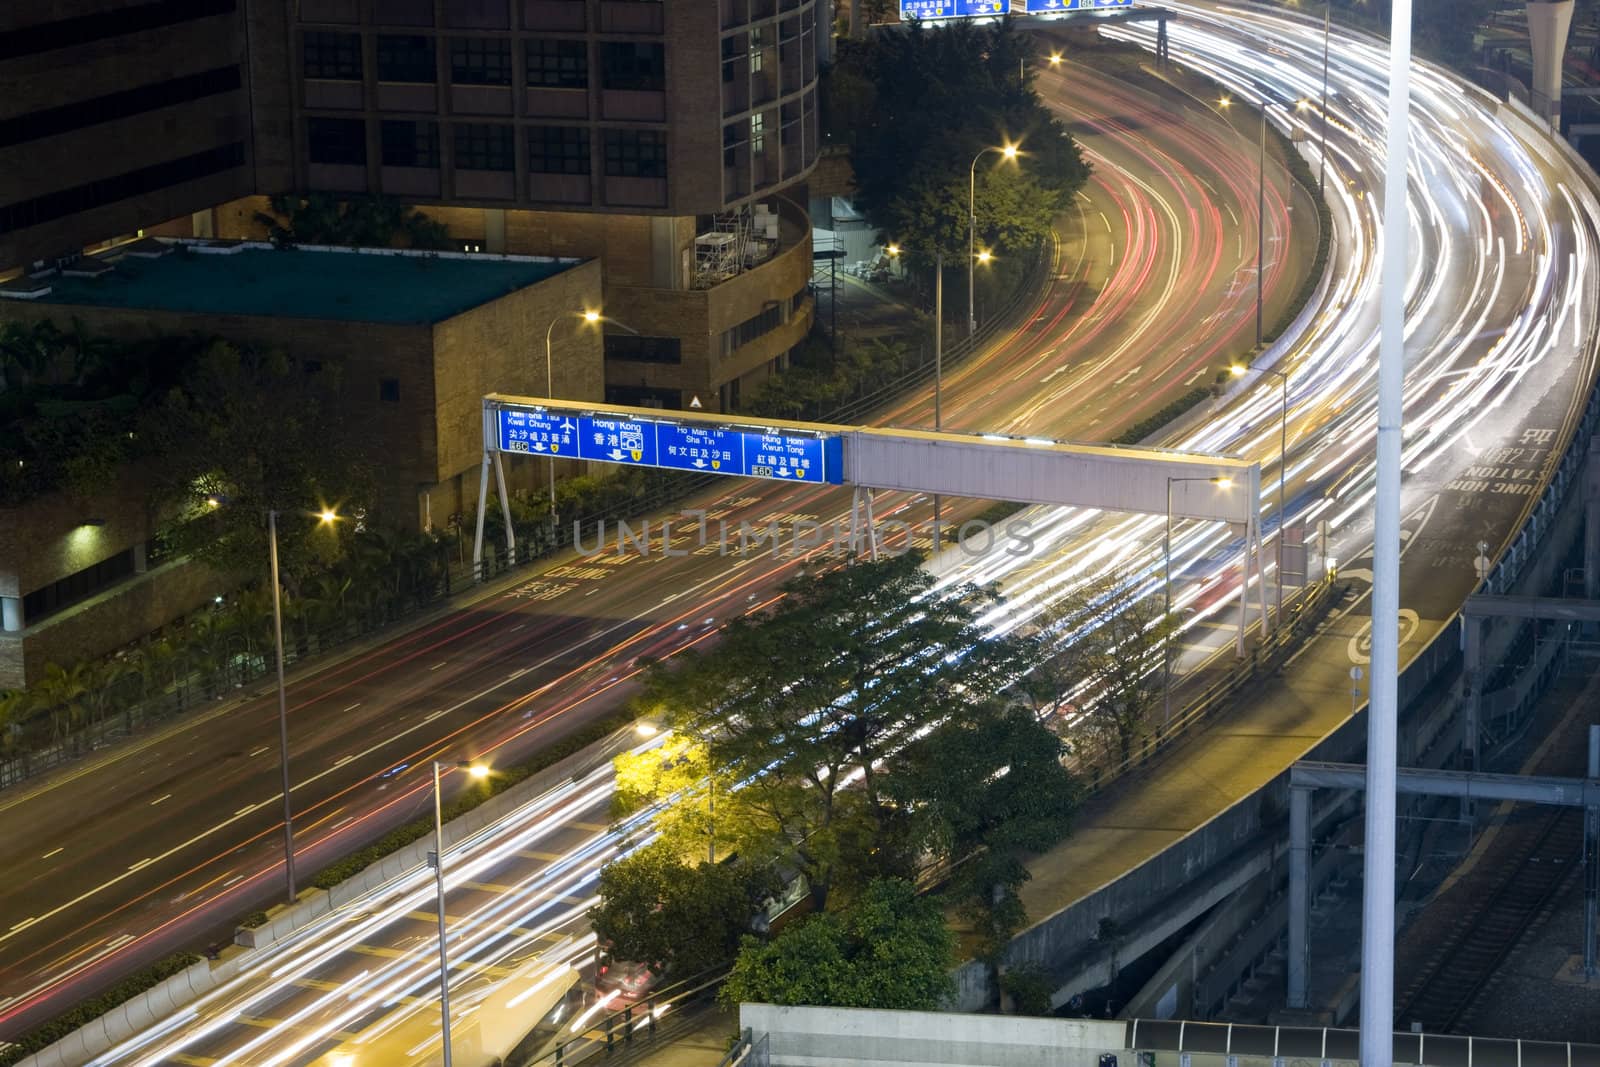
166, 845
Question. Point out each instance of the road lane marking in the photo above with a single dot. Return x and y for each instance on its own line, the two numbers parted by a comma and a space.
436, 666
433, 715
341, 822
232, 880
119, 942
142, 863
342, 760
535, 854
158, 800
245, 810
29, 921
592, 827
53, 852
259, 751
352, 707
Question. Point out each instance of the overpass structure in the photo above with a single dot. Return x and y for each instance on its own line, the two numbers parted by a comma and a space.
1025, 470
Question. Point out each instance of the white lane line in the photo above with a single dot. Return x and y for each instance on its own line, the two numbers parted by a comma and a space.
142, 863
230, 881
25, 923
436, 666
342, 760
7, 1001
517, 627
158, 800
518, 672
354, 706
341, 822
433, 715
1059, 370
119, 942
245, 810
53, 852
260, 750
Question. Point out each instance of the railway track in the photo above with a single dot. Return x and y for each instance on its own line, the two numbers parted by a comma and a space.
1531, 869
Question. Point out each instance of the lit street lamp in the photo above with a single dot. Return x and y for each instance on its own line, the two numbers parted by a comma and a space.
1166, 646
1009, 152
327, 516
592, 318
1239, 370
477, 770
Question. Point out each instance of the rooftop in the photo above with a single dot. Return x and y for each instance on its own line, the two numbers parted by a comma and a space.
232, 278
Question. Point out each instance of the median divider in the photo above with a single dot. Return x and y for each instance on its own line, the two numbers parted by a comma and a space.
126, 1019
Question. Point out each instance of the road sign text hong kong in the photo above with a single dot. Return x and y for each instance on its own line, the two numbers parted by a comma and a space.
787, 457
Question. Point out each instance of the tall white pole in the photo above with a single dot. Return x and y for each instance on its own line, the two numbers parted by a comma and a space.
283, 707
1322, 150
438, 882
1261, 213
972, 237
549, 392
938, 361
1377, 911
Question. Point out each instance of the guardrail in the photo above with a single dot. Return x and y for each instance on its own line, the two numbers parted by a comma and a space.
634, 1022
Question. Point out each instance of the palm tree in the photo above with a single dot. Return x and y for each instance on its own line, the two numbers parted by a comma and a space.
61, 690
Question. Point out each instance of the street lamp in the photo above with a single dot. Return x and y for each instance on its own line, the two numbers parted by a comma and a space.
1166, 646
327, 516
938, 359
590, 317
1239, 370
477, 770
1009, 152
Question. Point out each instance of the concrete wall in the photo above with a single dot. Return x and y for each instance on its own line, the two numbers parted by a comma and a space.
847, 1037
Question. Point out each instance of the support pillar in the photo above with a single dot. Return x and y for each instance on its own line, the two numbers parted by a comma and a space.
1591, 522
505, 508
11, 614
1244, 594
1591, 862
1548, 22
1299, 893
1472, 627
141, 558
483, 506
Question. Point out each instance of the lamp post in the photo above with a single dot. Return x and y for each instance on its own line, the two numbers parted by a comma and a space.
1239, 370
590, 317
477, 770
1166, 645
327, 517
1322, 149
1009, 152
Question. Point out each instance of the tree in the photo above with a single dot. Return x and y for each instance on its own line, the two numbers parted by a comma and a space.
1106, 640
889, 949
679, 919
365, 222
986, 795
802, 706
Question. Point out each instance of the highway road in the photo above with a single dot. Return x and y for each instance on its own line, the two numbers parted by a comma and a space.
1502, 305
167, 844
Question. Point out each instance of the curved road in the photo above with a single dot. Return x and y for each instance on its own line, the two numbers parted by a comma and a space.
165, 845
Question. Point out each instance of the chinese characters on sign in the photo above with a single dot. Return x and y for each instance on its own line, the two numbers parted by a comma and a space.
680, 446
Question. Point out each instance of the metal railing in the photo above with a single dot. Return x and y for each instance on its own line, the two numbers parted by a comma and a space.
633, 1023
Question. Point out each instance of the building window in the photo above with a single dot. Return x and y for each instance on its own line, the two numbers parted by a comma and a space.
410, 144
558, 149
33, 125
756, 326
644, 349
403, 12
639, 67
406, 58
389, 390
334, 56
75, 587
636, 154
798, 300
341, 141
556, 64
69, 201
480, 61
484, 146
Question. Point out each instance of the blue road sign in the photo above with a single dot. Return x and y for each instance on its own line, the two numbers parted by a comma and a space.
982, 7
628, 441
1044, 7
538, 432
784, 457
927, 9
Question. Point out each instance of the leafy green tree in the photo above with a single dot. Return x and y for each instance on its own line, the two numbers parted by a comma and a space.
678, 918
247, 431
804, 704
889, 949
1105, 644
363, 222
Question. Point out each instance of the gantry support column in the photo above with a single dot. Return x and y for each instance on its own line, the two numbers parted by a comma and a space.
1299, 893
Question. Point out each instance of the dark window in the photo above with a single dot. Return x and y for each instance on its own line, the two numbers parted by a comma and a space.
405, 58
403, 13
644, 349
389, 390
558, 64
51, 121
335, 56
410, 144
336, 141
75, 587
480, 61
629, 65
109, 22
798, 300
484, 146
64, 202
755, 326
636, 154
558, 149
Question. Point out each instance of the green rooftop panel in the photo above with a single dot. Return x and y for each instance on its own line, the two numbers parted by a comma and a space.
296, 283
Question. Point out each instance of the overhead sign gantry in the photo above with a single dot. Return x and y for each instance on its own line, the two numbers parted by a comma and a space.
1027, 470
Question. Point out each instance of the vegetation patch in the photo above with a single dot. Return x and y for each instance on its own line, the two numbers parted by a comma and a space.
139, 982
